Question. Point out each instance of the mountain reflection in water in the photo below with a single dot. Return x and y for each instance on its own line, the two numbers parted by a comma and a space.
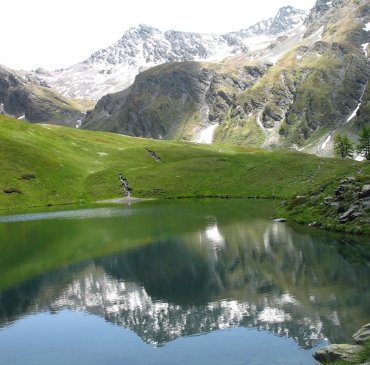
254, 273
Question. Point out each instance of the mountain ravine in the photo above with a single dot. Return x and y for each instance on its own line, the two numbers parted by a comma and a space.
317, 86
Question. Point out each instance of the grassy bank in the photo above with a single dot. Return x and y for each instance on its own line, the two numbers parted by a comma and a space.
51, 165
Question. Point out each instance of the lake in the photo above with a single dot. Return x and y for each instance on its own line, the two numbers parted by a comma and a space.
176, 282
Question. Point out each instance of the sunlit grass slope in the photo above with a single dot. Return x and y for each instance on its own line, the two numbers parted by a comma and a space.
45, 164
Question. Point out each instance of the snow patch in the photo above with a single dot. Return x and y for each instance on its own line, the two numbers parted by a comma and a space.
328, 138
276, 58
78, 123
358, 106
257, 42
364, 47
320, 32
354, 112
317, 36
366, 27
206, 135
22, 117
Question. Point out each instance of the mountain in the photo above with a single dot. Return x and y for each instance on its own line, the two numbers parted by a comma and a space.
114, 68
300, 90
174, 100
23, 99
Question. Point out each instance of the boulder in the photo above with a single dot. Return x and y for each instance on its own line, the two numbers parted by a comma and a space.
365, 204
349, 179
365, 191
347, 216
340, 190
362, 335
279, 220
335, 352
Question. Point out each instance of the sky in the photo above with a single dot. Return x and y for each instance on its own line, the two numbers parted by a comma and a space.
57, 34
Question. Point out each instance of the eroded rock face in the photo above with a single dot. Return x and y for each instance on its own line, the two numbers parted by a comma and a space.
24, 100
171, 100
320, 13
362, 335
334, 352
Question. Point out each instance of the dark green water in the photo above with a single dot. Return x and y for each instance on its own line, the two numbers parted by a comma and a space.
200, 282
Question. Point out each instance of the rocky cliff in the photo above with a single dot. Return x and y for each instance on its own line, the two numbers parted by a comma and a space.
175, 100
25, 100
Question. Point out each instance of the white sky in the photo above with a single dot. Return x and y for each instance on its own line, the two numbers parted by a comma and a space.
56, 34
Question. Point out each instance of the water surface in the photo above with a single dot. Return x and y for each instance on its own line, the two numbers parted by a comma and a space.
201, 282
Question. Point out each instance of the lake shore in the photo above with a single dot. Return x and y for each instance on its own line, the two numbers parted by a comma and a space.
125, 200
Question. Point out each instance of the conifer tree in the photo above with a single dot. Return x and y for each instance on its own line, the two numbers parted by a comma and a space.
343, 146
363, 146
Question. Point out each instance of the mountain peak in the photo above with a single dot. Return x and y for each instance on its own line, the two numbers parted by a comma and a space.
114, 68
286, 18
288, 9
320, 12
142, 29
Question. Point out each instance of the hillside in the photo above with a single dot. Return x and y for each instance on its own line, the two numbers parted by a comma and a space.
174, 100
50, 165
298, 92
24, 99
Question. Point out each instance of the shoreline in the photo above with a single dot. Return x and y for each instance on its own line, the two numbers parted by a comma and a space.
126, 200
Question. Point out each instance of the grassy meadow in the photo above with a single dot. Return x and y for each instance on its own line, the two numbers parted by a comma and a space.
52, 165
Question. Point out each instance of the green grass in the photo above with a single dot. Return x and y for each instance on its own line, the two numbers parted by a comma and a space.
364, 355
74, 166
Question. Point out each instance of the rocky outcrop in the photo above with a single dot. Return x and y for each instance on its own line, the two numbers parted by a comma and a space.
345, 352
362, 335
320, 13
25, 100
351, 201
335, 352
342, 207
279, 220
153, 155
125, 186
